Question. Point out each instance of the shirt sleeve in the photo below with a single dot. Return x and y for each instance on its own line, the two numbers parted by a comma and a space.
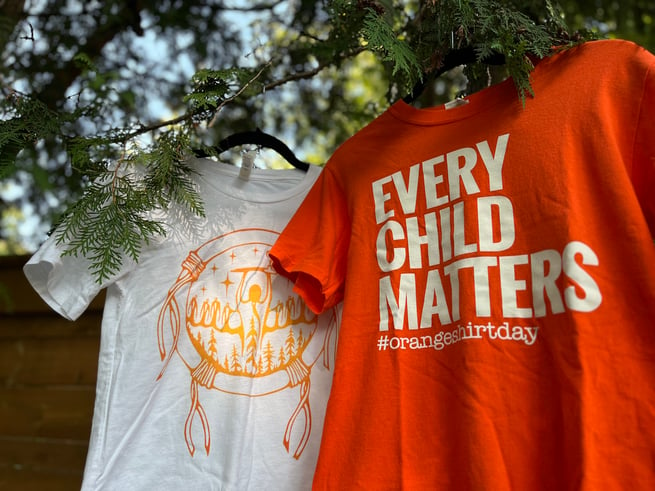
312, 249
643, 171
65, 283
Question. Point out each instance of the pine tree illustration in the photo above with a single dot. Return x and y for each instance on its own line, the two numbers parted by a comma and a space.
213, 352
290, 344
281, 358
226, 364
269, 356
236, 362
251, 349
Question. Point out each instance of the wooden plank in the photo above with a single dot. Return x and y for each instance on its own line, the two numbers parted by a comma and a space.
49, 361
16, 293
39, 455
19, 479
13, 262
49, 412
47, 386
46, 324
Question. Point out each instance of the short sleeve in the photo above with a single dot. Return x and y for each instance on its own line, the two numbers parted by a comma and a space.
643, 171
65, 283
312, 249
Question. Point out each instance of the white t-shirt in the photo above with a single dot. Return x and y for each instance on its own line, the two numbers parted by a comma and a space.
213, 374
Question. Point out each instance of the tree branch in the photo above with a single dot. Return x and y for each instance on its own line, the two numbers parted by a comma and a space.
238, 93
314, 71
54, 92
270, 86
11, 14
252, 8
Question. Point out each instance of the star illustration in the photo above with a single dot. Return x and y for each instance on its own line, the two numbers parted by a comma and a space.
227, 283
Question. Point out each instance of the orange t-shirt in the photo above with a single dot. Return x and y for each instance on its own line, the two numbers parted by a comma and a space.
497, 272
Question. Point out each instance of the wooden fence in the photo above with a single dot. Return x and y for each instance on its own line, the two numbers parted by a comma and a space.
47, 387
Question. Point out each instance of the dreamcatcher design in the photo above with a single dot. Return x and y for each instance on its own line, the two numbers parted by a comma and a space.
246, 332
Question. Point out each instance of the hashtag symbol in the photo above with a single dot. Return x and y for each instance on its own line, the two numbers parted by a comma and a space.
383, 342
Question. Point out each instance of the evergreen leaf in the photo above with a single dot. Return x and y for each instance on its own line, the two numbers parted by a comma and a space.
382, 39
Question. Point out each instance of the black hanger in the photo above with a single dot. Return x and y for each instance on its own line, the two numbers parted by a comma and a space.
453, 58
261, 139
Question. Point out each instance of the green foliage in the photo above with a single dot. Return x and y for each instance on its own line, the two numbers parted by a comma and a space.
108, 222
27, 121
74, 118
114, 217
84, 62
168, 176
382, 39
421, 44
209, 88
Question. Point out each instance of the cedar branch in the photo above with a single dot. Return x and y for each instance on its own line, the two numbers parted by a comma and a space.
188, 116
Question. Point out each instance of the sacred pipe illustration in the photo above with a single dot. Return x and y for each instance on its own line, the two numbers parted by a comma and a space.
222, 250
